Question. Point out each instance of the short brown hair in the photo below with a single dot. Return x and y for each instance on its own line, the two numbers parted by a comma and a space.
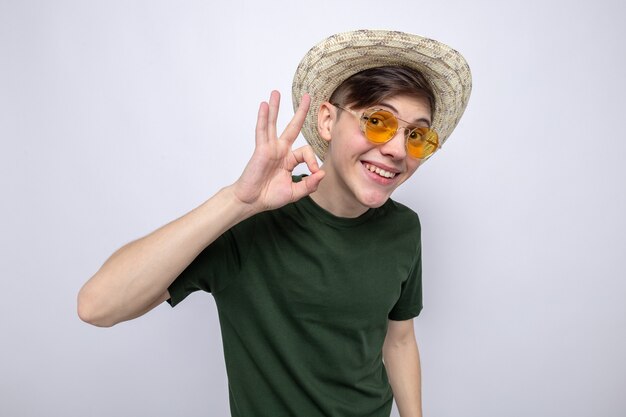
371, 86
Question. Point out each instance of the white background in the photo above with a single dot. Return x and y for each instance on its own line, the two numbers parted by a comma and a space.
118, 116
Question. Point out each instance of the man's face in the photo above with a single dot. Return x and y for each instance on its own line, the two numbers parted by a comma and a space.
361, 174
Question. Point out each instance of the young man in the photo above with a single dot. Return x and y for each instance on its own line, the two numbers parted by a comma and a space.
316, 278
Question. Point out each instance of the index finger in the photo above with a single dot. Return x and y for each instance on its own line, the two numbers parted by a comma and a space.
297, 121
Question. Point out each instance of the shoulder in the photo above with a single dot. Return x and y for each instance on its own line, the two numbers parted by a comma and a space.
399, 212
396, 224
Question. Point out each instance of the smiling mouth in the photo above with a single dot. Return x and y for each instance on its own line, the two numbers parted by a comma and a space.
379, 171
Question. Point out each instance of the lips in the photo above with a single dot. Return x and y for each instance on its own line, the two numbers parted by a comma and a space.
384, 173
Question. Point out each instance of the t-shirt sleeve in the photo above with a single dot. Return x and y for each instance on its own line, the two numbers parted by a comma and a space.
409, 303
215, 266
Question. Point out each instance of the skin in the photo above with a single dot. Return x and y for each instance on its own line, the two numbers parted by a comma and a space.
350, 189
402, 362
136, 277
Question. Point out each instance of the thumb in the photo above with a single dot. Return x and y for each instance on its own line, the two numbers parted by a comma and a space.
308, 185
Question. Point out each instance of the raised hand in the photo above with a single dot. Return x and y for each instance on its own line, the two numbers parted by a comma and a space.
266, 182
136, 277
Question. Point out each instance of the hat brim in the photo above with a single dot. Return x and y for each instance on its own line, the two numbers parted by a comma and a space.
335, 59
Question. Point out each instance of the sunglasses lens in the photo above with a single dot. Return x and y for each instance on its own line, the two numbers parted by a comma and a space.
422, 142
379, 126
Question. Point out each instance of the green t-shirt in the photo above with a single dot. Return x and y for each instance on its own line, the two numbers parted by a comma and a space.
304, 299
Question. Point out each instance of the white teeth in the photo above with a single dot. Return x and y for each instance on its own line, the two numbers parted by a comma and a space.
380, 171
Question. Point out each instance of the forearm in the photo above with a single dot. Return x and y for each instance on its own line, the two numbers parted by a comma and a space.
402, 363
137, 276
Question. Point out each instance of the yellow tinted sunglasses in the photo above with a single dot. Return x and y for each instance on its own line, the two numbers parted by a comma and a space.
380, 126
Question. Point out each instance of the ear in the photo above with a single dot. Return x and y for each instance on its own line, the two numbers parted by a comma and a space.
325, 120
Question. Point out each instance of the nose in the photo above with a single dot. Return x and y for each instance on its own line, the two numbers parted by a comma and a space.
396, 147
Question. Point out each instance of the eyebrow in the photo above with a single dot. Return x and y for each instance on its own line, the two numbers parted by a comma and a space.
415, 121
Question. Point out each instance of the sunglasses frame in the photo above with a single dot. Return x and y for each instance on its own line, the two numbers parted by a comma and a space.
369, 111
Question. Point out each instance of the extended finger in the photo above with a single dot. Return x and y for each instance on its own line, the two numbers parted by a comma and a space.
295, 125
273, 114
261, 124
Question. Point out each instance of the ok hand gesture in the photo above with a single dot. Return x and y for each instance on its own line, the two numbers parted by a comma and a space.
266, 182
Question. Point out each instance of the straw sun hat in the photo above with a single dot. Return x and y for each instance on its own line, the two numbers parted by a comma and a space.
340, 56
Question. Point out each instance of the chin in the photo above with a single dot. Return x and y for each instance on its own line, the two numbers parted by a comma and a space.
374, 200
